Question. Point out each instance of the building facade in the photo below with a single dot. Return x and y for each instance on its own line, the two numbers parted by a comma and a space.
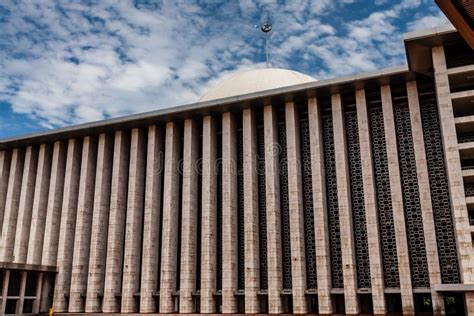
350, 195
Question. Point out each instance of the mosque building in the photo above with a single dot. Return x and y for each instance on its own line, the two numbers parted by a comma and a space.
275, 193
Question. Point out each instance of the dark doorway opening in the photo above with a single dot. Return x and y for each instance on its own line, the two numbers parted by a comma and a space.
394, 303
365, 303
454, 304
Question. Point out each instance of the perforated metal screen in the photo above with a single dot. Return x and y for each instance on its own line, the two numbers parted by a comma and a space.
411, 196
357, 200
440, 198
384, 200
332, 204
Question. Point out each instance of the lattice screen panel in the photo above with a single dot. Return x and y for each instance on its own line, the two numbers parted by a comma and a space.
311, 277
440, 198
411, 196
384, 200
240, 210
357, 200
285, 210
332, 203
219, 206
262, 215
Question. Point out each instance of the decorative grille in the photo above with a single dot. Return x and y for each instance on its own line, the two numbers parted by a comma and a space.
469, 189
240, 214
308, 200
357, 200
411, 196
219, 206
465, 138
440, 198
284, 204
384, 200
262, 215
332, 203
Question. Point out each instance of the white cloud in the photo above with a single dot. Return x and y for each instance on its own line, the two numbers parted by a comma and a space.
67, 62
428, 21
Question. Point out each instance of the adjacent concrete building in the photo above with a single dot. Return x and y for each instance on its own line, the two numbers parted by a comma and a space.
276, 193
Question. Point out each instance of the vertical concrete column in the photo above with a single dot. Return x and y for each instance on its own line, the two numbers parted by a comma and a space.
134, 221
323, 258
67, 226
189, 217
21, 301
5, 161
209, 215
6, 282
251, 242
151, 221
23, 223
295, 199
80, 258
54, 205
370, 203
100, 222
397, 202
37, 300
345, 209
425, 196
40, 204
229, 213
116, 231
169, 249
272, 197
11, 205
454, 173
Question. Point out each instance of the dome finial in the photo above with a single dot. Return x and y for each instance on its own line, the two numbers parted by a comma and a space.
266, 27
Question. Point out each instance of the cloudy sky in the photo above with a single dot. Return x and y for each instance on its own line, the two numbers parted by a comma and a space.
67, 62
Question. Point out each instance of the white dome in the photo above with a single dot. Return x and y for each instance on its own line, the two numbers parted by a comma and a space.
254, 81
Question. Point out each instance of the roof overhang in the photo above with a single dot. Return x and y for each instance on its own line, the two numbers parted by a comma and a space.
297, 93
461, 15
418, 46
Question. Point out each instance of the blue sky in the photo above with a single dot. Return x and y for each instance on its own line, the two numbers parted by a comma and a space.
68, 62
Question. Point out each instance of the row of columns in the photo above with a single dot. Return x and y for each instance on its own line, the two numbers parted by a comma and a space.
454, 174
108, 194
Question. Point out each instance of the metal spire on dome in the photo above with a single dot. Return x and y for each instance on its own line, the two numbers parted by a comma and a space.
266, 27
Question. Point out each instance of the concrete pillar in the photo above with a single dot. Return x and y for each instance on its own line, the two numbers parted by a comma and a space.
11, 205
6, 282
323, 258
454, 173
295, 199
345, 209
21, 301
370, 203
80, 259
251, 243
397, 202
67, 226
229, 214
431, 244
209, 215
134, 221
151, 221
169, 248
54, 205
40, 204
100, 222
22, 231
5, 161
189, 218
272, 196
116, 231
37, 301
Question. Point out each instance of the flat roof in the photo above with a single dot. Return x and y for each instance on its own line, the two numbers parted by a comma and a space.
424, 38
